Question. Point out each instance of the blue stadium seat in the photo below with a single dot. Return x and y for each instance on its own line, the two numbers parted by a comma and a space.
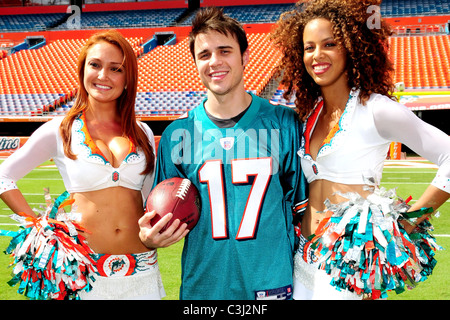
30, 22
128, 19
398, 8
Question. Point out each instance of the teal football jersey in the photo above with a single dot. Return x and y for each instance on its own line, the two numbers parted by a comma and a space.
249, 178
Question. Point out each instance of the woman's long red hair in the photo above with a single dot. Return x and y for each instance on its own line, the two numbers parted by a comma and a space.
125, 103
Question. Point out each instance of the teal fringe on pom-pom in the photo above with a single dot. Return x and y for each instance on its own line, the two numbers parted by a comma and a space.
51, 257
364, 247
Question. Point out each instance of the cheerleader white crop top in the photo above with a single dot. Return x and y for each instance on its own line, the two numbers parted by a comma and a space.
90, 171
356, 148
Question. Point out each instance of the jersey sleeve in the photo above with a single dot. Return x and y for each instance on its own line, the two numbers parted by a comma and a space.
40, 147
294, 179
395, 122
148, 181
168, 158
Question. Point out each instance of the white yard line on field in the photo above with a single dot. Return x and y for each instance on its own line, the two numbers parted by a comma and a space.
410, 172
41, 194
44, 179
397, 182
409, 164
401, 178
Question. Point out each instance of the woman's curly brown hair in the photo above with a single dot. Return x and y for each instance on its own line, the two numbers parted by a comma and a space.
368, 65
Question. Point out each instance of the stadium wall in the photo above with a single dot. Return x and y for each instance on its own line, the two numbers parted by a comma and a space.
176, 4
9, 145
86, 33
206, 3
407, 21
180, 32
8, 127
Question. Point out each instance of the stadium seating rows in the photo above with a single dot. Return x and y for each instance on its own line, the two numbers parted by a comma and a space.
52, 70
166, 17
171, 68
167, 103
252, 13
420, 62
127, 19
44, 80
31, 22
399, 8
30, 104
36, 79
134, 19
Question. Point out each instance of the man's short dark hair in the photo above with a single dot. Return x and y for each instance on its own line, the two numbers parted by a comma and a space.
213, 19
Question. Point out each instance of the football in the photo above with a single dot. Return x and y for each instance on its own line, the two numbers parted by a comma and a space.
176, 195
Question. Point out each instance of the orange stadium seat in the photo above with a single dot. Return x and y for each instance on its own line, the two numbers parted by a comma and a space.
421, 62
171, 68
168, 68
43, 75
49, 69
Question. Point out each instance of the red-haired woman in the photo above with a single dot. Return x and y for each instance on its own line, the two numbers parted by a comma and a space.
335, 61
106, 159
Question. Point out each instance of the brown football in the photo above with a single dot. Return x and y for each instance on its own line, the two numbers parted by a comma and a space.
176, 195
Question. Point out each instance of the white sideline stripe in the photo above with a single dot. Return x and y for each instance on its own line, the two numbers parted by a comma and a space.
40, 194
409, 164
409, 172
448, 201
34, 204
52, 179
395, 182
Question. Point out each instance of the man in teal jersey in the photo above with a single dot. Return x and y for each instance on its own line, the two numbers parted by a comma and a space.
240, 152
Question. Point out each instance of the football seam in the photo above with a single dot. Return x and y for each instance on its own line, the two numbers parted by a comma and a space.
175, 208
183, 188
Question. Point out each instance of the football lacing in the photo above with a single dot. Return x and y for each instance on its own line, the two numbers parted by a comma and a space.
183, 189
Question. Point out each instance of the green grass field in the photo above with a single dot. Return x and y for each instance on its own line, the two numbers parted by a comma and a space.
410, 181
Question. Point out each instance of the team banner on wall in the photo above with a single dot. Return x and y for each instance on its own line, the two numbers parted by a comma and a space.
9, 145
395, 151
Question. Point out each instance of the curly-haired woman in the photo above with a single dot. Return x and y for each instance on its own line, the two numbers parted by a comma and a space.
337, 66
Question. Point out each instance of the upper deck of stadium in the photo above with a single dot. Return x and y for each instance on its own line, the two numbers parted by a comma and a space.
39, 46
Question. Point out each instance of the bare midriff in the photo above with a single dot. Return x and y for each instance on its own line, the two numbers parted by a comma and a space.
319, 191
111, 217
